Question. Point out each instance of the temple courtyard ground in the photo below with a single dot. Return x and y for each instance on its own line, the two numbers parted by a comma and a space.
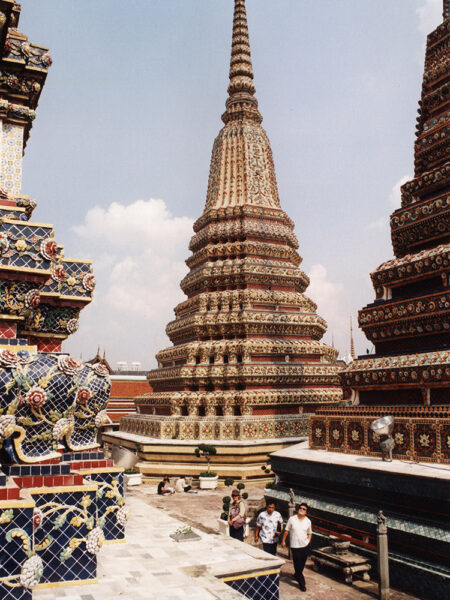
149, 565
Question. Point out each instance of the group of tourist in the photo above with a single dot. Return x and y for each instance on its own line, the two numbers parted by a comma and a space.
269, 528
164, 487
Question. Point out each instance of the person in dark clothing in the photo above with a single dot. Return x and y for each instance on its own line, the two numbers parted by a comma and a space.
299, 528
164, 487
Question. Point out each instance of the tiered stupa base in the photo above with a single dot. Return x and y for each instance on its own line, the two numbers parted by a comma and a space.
166, 444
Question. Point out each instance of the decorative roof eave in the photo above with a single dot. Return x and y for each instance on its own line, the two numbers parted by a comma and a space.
24, 68
411, 267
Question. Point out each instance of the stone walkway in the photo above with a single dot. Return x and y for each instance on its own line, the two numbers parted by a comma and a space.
147, 567
203, 510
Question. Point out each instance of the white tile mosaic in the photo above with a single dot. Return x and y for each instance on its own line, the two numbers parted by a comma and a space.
11, 157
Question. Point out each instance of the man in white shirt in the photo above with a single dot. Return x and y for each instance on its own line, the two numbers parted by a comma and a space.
299, 528
268, 523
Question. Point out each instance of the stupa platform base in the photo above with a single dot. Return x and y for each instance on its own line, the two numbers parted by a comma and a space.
240, 459
345, 493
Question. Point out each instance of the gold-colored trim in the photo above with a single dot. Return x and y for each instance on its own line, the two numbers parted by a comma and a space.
14, 208
248, 575
54, 584
63, 488
28, 223
111, 542
27, 459
59, 336
31, 349
64, 297
78, 260
10, 317
17, 504
99, 470
46, 272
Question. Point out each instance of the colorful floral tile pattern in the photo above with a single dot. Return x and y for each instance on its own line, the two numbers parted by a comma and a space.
415, 438
16, 532
111, 511
355, 435
222, 428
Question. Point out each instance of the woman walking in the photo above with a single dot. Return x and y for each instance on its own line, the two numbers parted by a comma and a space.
236, 516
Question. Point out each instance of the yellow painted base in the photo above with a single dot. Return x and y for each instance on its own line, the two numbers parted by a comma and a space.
250, 575
242, 460
55, 584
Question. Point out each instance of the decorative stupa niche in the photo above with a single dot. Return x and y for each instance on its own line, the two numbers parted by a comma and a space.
409, 321
246, 342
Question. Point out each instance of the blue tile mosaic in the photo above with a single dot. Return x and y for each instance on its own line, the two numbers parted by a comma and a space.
15, 548
265, 587
111, 511
66, 537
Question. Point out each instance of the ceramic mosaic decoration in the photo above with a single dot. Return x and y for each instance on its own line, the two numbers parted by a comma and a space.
60, 499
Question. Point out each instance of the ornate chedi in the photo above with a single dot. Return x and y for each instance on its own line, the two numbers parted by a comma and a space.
407, 379
246, 342
247, 339
59, 497
409, 321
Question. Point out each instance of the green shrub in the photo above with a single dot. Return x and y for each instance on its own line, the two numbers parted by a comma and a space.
229, 481
131, 471
269, 485
205, 451
224, 516
245, 495
208, 474
226, 499
240, 486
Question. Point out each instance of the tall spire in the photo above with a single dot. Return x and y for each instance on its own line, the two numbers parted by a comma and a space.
241, 100
352, 343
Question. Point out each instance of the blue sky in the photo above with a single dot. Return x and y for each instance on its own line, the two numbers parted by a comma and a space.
118, 157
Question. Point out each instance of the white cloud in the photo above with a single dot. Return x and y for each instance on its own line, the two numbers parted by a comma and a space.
329, 298
138, 252
393, 202
395, 195
430, 15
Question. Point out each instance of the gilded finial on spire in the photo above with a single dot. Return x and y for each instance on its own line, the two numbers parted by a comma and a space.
241, 100
446, 10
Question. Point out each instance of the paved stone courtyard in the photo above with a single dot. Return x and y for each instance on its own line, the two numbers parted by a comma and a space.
144, 568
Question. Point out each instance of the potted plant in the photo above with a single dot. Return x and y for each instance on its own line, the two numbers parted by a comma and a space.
185, 534
208, 479
132, 477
